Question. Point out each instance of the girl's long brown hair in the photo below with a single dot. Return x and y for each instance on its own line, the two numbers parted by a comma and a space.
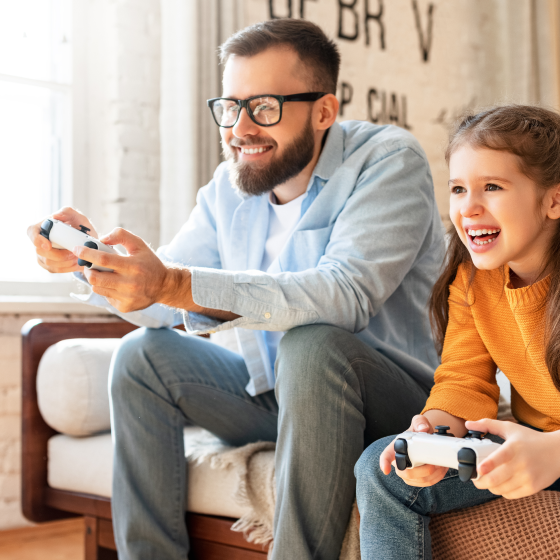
533, 135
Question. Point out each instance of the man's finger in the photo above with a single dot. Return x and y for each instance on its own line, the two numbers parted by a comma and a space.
100, 258
120, 236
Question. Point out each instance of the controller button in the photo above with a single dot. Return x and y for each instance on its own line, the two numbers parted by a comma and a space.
442, 431
84, 229
46, 227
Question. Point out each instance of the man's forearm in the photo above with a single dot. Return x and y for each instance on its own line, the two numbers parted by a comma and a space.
177, 292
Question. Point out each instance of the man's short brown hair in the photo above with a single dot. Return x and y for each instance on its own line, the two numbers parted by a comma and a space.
318, 53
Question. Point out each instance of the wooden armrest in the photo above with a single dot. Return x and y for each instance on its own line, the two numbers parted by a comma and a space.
37, 336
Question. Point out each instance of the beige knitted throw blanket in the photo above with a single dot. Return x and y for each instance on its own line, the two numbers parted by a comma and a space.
256, 489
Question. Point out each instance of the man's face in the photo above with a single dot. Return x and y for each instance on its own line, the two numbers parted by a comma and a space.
279, 152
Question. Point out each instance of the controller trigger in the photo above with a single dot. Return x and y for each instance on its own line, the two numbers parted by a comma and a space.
401, 454
84, 229
90, 245
467, 464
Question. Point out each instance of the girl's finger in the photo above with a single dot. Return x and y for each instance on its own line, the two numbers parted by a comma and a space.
501, 475
495, 460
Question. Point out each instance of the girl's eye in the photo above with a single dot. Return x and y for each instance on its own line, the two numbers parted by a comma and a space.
492, 187
458, 190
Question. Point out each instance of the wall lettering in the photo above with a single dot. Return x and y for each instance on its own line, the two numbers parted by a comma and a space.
377, 17
347, 12
274, 15
425, 40
344, 8
387, 108
346, 94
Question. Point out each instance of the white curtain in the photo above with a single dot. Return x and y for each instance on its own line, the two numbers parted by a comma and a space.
192, 30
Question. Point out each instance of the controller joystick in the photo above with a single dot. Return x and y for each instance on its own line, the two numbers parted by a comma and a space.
63, 236
414, 449
443, 431
475, 435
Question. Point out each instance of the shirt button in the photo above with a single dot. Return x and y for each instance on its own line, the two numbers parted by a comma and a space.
267, 315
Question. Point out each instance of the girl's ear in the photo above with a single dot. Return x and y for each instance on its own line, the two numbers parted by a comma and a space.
554, 207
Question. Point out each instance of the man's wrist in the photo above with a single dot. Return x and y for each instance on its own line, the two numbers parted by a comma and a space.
176, 290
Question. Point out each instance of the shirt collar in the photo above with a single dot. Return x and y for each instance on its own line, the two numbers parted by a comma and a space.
331, 155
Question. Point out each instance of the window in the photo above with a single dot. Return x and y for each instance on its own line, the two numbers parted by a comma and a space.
35, 129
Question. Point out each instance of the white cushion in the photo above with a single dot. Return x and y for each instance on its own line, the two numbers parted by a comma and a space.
72, 385
85, 465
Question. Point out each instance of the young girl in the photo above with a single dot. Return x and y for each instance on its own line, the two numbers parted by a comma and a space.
497, 304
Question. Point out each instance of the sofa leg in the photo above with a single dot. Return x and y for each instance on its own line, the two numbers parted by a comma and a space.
91, 547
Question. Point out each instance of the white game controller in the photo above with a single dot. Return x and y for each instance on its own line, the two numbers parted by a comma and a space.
63, 236
414, 449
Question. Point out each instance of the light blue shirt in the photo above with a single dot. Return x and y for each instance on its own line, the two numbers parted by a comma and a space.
363, 256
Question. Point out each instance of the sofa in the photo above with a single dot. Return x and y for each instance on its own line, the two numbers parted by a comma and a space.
67, 467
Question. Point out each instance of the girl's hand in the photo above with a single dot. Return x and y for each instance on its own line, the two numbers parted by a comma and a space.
426, 475
528, 461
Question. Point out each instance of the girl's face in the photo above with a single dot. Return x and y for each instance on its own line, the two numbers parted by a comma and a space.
498, 211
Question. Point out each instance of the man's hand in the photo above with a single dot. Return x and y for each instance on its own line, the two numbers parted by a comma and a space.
528, 461
58, 260
426, 475
139, 278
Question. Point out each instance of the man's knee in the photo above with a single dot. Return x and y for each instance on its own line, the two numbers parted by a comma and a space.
310, 360
132, 356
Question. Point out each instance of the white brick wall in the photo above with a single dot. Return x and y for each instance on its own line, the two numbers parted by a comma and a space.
119, 98
116, 175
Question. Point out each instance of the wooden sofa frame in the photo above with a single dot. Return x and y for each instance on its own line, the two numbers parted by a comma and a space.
210, 536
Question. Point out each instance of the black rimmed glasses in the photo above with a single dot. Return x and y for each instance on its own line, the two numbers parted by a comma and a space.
264, 110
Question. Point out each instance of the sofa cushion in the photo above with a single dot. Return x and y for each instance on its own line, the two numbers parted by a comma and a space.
85, 465
72, 385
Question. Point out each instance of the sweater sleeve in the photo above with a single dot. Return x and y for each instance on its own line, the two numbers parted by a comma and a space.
465, 382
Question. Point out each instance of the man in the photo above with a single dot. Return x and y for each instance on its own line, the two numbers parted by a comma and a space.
328, 231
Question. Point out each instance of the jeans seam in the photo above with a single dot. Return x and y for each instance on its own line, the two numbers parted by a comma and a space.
219, 390
337, 478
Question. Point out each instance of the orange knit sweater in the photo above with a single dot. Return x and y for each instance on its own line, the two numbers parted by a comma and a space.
501, 327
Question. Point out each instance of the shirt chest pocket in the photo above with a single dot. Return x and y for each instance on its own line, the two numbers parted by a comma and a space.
305, 248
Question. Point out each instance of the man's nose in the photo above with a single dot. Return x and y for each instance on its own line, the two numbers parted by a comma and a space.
244, 125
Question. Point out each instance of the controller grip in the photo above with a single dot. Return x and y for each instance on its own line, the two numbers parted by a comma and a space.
90, 245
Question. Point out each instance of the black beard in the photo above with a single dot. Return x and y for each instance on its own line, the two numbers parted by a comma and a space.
255, 180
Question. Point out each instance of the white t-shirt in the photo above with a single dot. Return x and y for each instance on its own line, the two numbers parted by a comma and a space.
282, 220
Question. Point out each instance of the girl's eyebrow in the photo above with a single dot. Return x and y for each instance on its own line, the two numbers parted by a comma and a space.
485, 178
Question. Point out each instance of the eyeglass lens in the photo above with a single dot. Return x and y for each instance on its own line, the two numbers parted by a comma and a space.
264, 110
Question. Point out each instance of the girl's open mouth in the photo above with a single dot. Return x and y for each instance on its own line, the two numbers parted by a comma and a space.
483, 236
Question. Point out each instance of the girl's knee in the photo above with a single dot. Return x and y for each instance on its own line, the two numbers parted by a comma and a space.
367, 469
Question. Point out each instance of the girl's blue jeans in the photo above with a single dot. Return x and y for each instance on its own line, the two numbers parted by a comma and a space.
395, 517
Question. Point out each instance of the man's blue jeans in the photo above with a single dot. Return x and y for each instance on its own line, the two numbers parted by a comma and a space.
334, 395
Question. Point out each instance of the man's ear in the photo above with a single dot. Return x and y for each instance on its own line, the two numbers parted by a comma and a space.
554, 206
327, 111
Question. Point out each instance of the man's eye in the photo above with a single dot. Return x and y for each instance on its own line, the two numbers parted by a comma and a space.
260, 108
492, 187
